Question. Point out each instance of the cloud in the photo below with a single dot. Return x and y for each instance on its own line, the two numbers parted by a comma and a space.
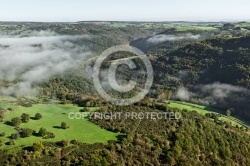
45, 40
214, 94
35, 58
183, 94
220, 92
157, 39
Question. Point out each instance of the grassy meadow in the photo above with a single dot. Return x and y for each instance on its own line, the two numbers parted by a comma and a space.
53, 115
201, 109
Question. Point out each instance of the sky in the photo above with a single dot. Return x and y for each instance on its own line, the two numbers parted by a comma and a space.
124, 10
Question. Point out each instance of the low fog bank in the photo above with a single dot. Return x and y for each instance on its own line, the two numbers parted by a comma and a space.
32, 59
157, 39
215, 94
145, 44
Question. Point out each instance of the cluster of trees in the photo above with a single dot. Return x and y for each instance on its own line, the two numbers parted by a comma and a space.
27, 132
45, 134
214, 116
25, 118
25, 102
23, 132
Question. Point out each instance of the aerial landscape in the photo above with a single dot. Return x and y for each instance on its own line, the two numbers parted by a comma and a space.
108, 88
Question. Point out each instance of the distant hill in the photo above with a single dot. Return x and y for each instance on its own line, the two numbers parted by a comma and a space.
221, 63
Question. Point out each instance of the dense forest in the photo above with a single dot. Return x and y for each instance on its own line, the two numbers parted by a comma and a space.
221, 63
191, 140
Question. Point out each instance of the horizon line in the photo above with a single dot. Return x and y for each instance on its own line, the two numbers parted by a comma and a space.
132, 21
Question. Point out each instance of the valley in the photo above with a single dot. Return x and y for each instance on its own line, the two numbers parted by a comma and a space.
200, 71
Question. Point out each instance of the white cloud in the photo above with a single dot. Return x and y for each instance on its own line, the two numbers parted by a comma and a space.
157, 39
34, 59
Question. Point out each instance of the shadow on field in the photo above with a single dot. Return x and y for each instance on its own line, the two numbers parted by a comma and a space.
28, 148
8, 123
57, 127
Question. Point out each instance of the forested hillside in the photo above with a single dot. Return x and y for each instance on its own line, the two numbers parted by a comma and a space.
191, 140
204, 67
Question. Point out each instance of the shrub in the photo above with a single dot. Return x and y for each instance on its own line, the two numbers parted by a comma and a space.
2, 134
64, 125
11, 142
49, 135
38, 146
38, 116
74, 142
15, 136
26, 132
16, 121
25, 118
10, 109
63, 143
42, 132
85, 109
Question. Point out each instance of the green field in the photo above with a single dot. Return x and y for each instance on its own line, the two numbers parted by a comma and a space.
53, 114
201, 28
205, 109
244, 24
190, 107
